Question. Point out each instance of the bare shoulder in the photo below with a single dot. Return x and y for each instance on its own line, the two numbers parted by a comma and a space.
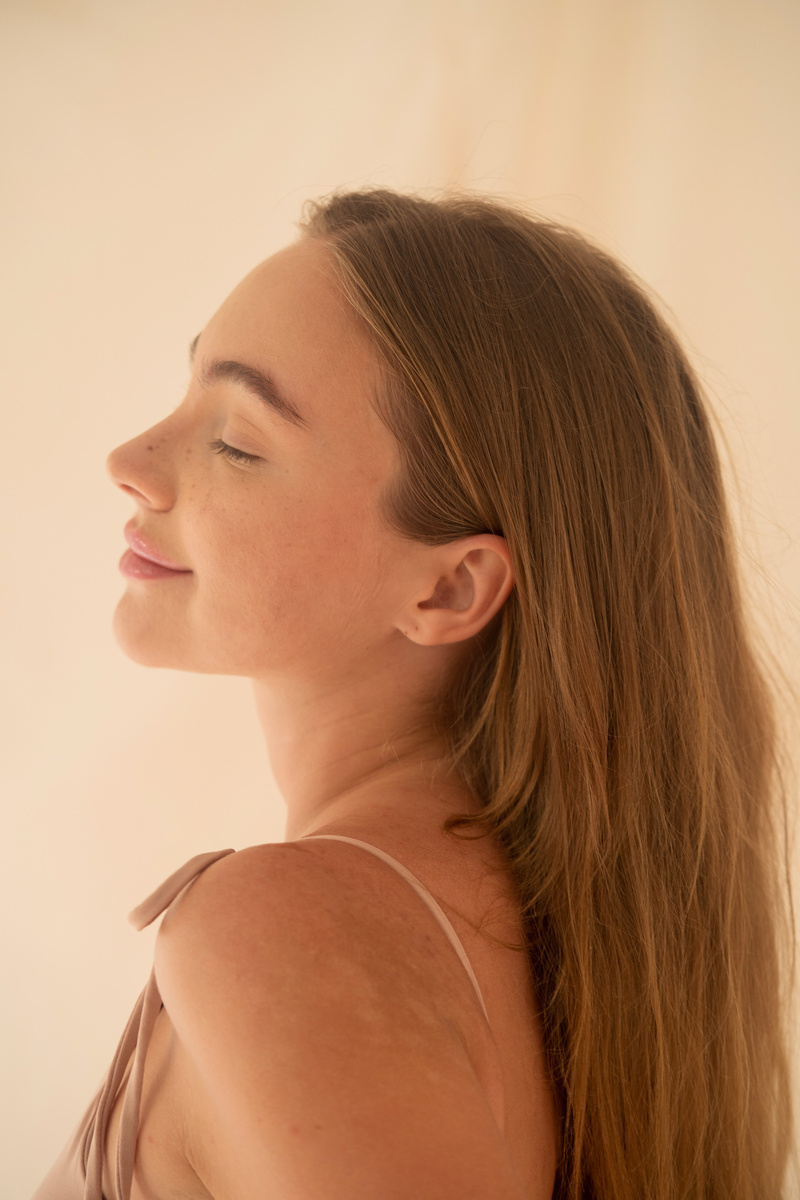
261, 892
252, 927
324, 1053
272, 910
296, 932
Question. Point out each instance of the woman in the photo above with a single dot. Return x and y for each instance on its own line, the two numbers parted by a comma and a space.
443, 486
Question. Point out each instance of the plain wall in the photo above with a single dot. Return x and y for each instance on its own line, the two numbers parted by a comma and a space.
153, 152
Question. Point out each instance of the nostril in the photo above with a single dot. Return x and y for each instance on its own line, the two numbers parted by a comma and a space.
132, 491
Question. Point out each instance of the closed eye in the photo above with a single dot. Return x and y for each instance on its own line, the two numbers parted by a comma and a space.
231, 453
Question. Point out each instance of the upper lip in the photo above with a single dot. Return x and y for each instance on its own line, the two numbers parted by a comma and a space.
144, 548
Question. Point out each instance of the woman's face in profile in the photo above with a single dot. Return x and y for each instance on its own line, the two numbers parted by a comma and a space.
263, 485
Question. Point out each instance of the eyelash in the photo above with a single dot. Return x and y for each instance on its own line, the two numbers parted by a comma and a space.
231, 453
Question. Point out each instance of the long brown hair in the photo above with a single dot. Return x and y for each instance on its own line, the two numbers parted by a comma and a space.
618, 721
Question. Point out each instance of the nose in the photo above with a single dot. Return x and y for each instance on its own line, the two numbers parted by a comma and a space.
142, 467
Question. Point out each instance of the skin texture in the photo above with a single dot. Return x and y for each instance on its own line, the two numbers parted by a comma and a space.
345, 630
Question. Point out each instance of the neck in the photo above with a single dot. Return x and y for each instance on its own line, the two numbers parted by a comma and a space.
338, 756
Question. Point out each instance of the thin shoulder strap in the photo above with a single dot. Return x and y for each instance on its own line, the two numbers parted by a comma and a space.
137, 1037
423, 893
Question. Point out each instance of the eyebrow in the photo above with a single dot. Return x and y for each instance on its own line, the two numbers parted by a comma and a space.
257, 382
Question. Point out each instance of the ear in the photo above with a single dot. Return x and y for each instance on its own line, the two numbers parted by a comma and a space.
467, 583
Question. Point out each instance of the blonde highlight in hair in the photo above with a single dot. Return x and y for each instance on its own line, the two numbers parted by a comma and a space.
616, 720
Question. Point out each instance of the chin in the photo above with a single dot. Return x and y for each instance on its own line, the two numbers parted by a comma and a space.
154, 638
146, 641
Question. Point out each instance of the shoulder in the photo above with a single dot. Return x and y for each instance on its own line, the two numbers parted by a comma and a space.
244, 884
256, 927
268, 898
318, 1042
251, 913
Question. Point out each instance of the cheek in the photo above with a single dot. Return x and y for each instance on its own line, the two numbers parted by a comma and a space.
302, 567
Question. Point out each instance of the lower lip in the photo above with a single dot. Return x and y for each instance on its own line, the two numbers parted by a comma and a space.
134, 566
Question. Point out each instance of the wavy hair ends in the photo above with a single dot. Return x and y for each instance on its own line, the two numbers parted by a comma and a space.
617, 720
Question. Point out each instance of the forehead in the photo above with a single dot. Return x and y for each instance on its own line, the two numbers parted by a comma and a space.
289, 318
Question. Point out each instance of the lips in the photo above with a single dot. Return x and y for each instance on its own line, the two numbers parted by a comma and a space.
144, 561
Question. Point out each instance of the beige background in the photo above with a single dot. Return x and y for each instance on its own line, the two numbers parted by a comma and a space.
152, 152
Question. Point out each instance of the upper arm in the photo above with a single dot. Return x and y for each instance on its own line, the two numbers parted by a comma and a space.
326, 1064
